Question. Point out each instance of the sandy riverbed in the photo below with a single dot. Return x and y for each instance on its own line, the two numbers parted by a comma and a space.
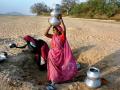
94, 42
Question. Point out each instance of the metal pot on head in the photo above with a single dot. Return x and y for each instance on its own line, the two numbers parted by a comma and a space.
55, 13
56, 7
54, 21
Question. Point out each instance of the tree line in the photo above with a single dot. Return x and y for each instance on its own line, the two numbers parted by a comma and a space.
88, 9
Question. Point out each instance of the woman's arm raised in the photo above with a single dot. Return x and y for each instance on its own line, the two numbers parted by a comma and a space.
47, 32
63, 25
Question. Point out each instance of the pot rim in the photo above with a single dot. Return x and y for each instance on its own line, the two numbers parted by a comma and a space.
98, 70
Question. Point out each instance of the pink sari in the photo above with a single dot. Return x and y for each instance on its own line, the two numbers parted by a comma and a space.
61, 63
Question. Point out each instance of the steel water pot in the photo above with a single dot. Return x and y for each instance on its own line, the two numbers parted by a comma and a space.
93, 73
3, 56
54, 21
56, 7
12, 45
55, 13
93, 83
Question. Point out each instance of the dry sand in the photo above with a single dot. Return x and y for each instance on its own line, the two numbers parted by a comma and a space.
94, 43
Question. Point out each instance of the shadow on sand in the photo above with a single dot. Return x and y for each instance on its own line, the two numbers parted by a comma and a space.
110, 69
82, 72
29, 71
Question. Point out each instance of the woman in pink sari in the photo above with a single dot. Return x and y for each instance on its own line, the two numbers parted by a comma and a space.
61, 63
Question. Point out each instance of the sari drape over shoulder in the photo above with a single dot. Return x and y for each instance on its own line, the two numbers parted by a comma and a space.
61, 63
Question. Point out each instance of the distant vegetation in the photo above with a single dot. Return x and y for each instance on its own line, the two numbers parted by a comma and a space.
40, 9
103, 9
96, 9
12, 14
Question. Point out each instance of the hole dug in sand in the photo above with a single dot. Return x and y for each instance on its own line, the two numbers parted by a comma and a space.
21, 71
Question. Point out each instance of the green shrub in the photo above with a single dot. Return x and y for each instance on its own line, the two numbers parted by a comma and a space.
93, 8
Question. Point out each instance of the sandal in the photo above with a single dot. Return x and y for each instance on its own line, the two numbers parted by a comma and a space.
50, 87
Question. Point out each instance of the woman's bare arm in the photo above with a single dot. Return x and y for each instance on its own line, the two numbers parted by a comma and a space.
47, 32
63, 25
